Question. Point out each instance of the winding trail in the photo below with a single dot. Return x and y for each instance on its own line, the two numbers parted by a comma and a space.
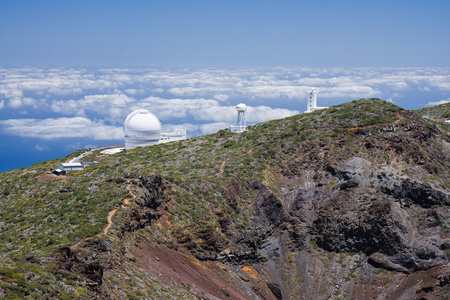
226, 160
400, 117
109, 219
111, 214
222, 166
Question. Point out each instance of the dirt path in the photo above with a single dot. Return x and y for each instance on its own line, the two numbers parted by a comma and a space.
109, 219
226, 160
111, 214
400, 117
222, 166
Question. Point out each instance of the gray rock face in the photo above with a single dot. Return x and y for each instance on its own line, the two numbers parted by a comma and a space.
151, 197
418, 193
317, 208
378, 225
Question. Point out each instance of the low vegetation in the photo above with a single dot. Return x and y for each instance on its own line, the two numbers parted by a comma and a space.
206, 185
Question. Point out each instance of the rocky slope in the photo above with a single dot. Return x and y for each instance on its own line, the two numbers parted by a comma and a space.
438, 113
346, 203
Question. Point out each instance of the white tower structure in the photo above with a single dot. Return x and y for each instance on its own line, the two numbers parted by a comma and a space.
241, 124
141, 128
312, 102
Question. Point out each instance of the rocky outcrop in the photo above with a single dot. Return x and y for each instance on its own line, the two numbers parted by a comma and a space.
353, 221
268, 205
369, 231
350, 202
418, 193
150, 190
88, 264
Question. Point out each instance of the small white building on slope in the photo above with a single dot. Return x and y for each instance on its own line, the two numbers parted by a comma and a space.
74, 166
177, 134
312, 102
142, 128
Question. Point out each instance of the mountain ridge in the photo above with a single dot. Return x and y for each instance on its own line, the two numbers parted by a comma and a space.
359, 191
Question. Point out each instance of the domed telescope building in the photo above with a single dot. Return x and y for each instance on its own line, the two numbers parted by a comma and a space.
142, 128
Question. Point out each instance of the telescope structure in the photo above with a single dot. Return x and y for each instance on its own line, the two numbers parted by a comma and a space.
142, 128
312, 102
241, 124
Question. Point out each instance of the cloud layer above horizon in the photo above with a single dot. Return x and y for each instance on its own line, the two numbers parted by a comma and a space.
55, 103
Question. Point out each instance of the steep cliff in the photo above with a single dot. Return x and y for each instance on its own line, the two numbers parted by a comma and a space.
351, 202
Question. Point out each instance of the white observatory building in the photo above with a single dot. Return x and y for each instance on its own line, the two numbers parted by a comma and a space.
142, 128
241, 124
312, 102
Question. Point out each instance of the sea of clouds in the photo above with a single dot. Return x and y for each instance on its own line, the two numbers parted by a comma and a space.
92, 103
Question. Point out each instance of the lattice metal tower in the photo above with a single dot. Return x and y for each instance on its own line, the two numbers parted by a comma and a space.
241, 124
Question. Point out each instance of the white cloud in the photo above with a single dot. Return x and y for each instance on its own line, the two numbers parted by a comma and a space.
438, 102
19, 102
173, 108
104, 105
254, 114
49, 129
212, 127
280, 83
10, 91
28, 101
40, 147
73, 147
15, 102
221, 84
424, 89
264, 113
197, 129
133, 92
200, 95
221, 97
214, 113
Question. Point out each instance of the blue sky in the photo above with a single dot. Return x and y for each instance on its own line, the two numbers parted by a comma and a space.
323, 33
71, 71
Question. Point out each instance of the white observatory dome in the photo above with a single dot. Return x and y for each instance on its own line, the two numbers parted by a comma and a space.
141, 128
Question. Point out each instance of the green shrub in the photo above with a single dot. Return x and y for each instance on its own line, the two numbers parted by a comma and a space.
11, 275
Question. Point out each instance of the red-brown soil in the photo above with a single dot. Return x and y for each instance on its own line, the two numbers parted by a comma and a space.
201, 278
